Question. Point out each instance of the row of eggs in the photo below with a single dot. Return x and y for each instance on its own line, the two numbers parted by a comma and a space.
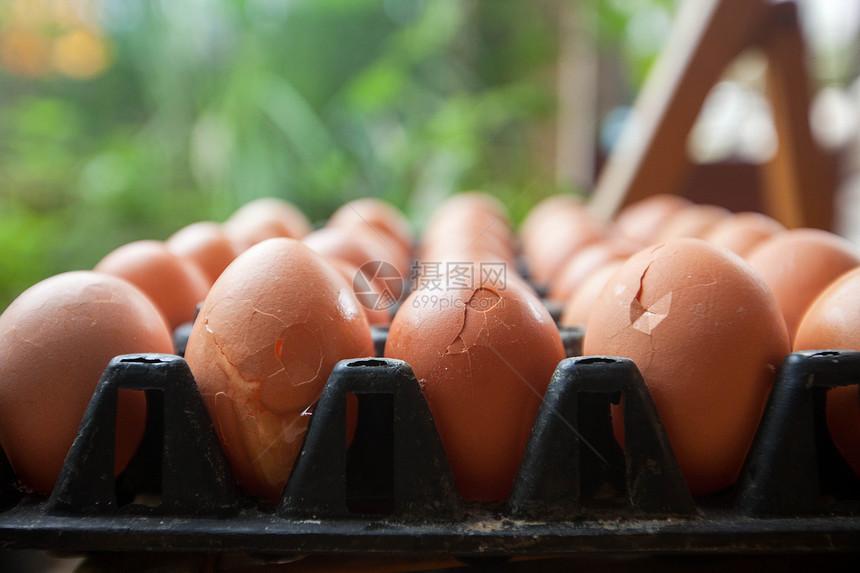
276, 318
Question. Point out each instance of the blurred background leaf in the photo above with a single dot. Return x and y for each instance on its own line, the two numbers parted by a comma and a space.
123, 120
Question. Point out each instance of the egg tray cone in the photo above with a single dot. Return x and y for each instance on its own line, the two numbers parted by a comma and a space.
392, 491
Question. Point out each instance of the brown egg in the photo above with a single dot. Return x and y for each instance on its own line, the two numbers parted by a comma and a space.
269, 333
707, 336
484, 357
265, 218
55, 341
741, 232
374, 305
353, 246
843, 423
797, 265
480, 210
379, 215
467, 229
642, 221
174, 284
584, 262
387, 246
467, 244
579, 305
468, 226
357, 246
546, 209
691, 221
475, 201
204, 244
564, 233
831, 323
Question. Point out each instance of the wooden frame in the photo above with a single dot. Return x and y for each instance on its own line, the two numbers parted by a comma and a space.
651, 155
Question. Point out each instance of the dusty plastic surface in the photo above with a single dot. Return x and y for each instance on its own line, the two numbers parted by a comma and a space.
392, 491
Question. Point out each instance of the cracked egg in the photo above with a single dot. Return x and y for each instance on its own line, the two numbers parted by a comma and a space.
484, 357
269, 333
708, 336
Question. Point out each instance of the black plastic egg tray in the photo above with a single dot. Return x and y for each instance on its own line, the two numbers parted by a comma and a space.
393, 491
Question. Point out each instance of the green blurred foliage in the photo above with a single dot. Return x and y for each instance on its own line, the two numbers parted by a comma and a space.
635, 30
208, 104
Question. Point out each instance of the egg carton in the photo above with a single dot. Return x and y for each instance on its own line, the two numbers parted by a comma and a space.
392, 490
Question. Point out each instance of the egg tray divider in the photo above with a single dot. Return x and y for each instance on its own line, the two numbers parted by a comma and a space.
393, 490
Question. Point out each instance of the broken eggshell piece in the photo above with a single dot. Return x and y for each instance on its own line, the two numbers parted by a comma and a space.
275, 323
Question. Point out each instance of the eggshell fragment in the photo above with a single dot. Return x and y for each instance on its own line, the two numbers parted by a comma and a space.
707, 336
798, 265
484, 357
56, 339
268, 335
